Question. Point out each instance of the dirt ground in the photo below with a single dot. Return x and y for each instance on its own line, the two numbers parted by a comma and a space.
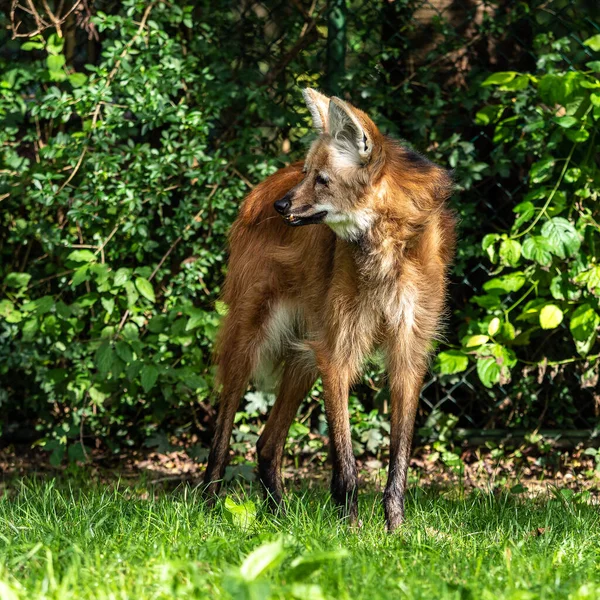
524, 471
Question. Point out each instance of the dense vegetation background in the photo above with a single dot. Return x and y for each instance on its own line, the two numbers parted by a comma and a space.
132, 130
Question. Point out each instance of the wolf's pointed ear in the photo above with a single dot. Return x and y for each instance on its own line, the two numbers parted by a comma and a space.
352, 130
318, 104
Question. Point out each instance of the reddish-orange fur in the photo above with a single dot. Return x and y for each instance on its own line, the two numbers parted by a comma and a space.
307, 302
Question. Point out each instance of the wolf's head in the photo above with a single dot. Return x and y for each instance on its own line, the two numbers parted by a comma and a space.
341, 169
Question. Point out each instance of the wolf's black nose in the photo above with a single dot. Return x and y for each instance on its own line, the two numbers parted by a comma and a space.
281, 206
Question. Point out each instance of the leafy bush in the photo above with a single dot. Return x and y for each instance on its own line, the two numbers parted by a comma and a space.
130, 138
541, 301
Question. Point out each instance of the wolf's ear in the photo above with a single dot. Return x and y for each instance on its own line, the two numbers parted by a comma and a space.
318, 104
352, 130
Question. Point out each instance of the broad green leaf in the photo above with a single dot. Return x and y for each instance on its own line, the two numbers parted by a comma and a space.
149, 376
550, 316
122, 276
81, 274
132, 295
84, 256
449, 362
489, 114
487, 244
55, 62
9, 313
221, 308
593, 42
584, 328
538, 249
242, 515
32, 46
262, 559
494, 326
562, 235
590, 278
17, 280
77, 79
565, 121
510, 252
472, 341
108, 304
197, 318
104, 357
525, 212
124, 352
500, 78
488, 370
145, 289
511, 282
55, 44
541, 170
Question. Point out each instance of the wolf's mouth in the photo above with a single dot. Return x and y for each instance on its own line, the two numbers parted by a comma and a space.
296, 221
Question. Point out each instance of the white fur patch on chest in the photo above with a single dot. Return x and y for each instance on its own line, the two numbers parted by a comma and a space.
401, 308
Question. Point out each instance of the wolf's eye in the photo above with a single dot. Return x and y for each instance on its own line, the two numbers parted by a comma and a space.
322, 179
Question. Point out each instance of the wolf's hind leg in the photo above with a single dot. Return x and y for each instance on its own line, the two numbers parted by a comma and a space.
235, 376
296, 382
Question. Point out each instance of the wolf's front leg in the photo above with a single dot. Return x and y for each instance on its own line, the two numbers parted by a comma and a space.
406, 371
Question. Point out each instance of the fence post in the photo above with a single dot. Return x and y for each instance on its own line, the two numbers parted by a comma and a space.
336, 45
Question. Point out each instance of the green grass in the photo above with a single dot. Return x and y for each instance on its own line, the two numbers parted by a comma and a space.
88, 541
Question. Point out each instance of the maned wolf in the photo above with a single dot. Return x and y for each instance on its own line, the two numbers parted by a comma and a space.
310, 301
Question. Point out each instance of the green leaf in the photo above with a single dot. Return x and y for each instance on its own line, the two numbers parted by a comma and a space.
124, 352
494, 326
241, 515
500, 78
55, 44
9, 312
149, 377
525, 210
264, 558
489, 114
594, 65
122, 276
104, 357
197, 318
566, 121
221, 308
562, 235
487, 244
77, 79
32, 46
550, 316
538, 249
593, 42
132, 295
55, 62
510, 252
584, 325
81, 274
17, 280
451, 361
590, 278
541, 170
145, 289
85, 256
472, 341
488, 370
108, 304
511, 282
